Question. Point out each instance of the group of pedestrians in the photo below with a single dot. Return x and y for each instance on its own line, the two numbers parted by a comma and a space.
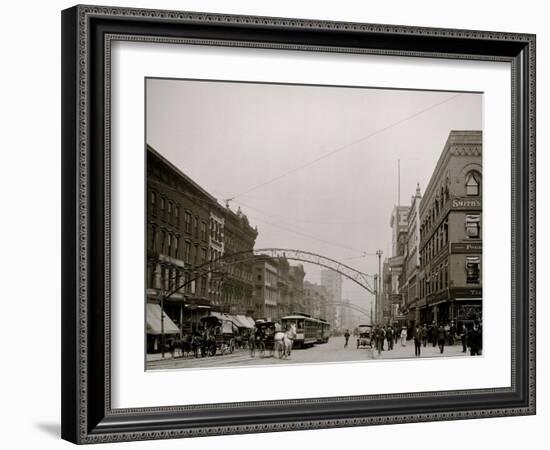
389, 334
443, 334
440, 335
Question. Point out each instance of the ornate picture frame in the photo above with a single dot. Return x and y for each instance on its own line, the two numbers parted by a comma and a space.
87, 35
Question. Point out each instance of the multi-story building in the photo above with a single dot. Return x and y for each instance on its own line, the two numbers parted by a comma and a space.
279, 287
238, 272
188, 234
332, 282
296, 276
177, 214
316, 299
410, 289
345, 316
216, 251
266, 288
451, 233
393, 297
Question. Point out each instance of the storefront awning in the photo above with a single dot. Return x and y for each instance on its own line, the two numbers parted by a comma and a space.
193, 307
247, 322
470, 299
155, 323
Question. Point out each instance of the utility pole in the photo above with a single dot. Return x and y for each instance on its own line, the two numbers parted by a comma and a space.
375, 299
379, 287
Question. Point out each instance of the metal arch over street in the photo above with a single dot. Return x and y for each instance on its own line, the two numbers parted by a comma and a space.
214, 265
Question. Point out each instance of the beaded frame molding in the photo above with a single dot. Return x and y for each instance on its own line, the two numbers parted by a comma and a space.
87, 35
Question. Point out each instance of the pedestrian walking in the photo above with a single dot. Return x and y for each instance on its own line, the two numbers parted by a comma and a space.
452, 333
389, 337
380, 335
434, 334
346, 337
403, 336
424, 335
464, 337
474, 340
417, 340
441, 335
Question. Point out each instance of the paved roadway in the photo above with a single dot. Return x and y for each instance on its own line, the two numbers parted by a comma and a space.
333, 351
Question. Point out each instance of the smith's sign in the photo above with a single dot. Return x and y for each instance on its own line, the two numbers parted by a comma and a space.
466, 203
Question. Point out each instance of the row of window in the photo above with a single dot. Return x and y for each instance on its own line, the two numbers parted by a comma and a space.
171, 212
438, 241
472, 187
170, 278
440, 238
169, 244
436, 280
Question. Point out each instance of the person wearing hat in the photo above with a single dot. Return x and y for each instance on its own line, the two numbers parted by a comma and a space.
417, 340
403, 336
441, 335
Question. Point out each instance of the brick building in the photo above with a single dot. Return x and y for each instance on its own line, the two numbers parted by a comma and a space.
186, 229
450, 276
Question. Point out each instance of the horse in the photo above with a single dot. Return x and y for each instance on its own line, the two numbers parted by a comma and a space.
283, 341
183, 345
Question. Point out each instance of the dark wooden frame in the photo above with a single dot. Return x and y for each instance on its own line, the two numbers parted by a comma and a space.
87, 31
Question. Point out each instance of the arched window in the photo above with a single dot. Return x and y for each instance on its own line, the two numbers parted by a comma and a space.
473, 183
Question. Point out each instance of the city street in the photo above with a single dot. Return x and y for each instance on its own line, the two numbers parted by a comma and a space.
333, 351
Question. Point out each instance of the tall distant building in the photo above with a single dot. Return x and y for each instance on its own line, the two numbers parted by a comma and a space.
332, 282
345, 316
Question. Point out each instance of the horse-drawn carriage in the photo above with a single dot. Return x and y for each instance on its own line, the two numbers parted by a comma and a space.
219, 335
270, 336
262, 338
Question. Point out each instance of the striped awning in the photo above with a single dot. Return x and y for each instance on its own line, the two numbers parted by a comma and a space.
155, 323
247, 322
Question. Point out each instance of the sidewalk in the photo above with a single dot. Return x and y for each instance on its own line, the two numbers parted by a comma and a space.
151, 357
425, 352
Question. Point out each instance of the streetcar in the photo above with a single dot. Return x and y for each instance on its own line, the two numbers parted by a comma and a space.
309, 330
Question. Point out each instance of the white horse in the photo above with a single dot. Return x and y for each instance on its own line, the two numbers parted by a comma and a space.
283, 341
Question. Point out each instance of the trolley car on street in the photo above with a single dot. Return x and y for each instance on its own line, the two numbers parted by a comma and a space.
309, 330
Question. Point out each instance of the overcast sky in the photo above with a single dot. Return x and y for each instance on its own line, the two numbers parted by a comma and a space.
315, 168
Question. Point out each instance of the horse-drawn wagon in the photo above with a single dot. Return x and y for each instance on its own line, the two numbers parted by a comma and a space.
262, 338
219, 335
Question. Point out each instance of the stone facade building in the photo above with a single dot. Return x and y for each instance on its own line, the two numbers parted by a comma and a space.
451, 222
411, 265
238, 275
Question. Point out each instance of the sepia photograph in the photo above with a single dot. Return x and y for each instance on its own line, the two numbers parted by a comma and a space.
306, 224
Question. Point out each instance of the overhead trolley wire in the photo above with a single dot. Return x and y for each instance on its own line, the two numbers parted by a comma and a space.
342, 148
